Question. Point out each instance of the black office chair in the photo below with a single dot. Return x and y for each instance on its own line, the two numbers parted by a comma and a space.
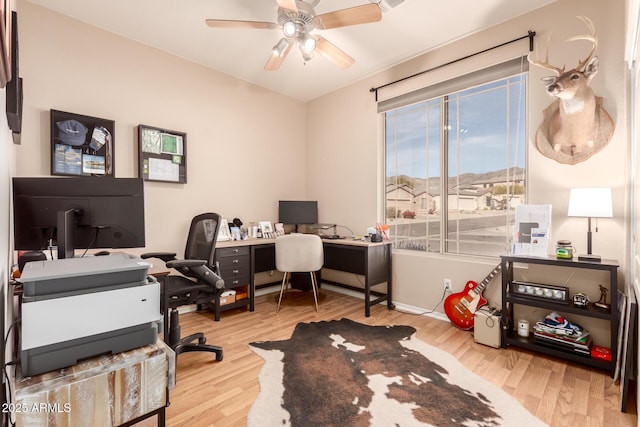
200, 286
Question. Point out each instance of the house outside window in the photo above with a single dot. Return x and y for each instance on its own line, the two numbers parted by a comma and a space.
455, 163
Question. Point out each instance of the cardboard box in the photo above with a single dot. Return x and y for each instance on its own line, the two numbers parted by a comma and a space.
242, 292
228, 297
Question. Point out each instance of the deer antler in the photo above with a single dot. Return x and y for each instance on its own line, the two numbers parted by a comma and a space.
593, 38
545, 63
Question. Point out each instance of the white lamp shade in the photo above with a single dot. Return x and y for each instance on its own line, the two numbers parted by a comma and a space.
590, 202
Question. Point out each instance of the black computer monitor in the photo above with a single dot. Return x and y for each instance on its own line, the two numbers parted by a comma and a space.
78, 212
298, 212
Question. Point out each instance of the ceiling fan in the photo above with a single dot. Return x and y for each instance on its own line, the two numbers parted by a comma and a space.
297, 20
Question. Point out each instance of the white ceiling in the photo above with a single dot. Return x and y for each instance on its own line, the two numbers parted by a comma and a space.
178, 27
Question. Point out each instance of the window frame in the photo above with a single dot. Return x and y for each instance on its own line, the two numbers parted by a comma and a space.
517, 67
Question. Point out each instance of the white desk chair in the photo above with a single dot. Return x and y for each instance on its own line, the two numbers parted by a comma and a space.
297, 253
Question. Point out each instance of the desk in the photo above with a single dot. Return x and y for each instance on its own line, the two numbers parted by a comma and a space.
373, 260
240, 260
119, 389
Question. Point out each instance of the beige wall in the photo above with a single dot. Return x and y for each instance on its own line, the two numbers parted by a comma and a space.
244, 143
248, 147
343, 126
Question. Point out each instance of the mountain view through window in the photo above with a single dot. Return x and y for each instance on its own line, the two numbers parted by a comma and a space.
455, 169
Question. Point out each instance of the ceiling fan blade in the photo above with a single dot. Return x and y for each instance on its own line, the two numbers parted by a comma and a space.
332, 53
288, 4
350, 16
275, 60
229, 23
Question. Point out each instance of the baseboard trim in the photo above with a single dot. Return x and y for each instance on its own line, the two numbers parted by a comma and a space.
421, 311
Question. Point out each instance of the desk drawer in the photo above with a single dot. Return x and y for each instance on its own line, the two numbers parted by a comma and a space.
231, 252
235, 281
229, 271
236, 265
238, 262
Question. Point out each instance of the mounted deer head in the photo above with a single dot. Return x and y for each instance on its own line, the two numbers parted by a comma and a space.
576, 125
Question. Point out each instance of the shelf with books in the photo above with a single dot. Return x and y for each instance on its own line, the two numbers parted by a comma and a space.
528, 343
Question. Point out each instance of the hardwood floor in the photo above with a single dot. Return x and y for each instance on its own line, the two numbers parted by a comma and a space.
210, 393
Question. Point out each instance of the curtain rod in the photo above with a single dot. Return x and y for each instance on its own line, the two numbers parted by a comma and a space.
529, 35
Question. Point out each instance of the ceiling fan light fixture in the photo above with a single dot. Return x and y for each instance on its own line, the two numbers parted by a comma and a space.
289, 28
280, 47
308, 44
307, 55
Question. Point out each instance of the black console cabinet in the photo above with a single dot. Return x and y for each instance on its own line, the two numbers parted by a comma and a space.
510, 298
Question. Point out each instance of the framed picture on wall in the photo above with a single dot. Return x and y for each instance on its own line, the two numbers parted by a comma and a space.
13, 101
82, 145
5, 41
162, 154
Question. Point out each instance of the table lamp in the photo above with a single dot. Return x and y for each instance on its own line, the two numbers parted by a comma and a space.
590, 203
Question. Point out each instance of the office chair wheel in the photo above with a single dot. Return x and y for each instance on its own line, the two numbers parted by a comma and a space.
202, 340
219, 356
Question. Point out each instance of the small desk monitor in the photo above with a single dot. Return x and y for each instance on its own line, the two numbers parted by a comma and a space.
78, 213
298, 212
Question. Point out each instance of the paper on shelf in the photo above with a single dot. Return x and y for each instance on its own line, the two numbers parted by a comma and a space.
531, 232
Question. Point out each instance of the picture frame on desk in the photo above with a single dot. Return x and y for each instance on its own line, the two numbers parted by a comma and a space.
266, 229
224, 234
279, 227
235, 233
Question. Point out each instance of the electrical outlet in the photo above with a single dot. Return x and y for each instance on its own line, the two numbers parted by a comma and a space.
447, 284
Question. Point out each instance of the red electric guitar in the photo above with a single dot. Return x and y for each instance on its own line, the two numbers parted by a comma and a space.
461, 307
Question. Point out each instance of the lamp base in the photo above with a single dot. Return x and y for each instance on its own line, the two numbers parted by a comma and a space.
589, 257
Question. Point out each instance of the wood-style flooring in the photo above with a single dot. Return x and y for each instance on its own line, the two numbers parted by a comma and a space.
210, 393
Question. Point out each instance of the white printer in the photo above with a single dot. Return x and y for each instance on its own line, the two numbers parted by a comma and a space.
76, 308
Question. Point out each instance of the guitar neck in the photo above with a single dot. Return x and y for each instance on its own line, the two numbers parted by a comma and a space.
488, 279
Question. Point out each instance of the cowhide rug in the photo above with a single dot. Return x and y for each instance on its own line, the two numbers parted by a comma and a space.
344, 373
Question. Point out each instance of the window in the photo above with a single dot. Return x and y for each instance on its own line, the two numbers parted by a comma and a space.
455, 163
